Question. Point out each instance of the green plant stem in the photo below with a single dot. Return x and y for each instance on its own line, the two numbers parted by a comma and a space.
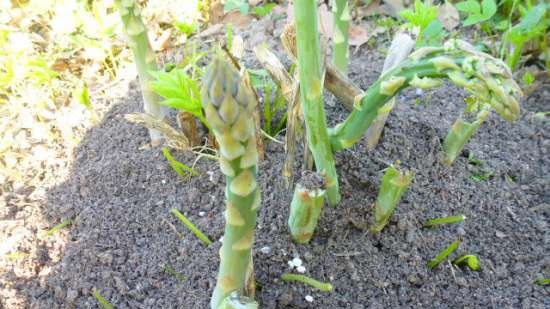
394, 184
322, 286
485, 77
103, 302
144, 58
340, 40
311, 88
191, 226
305, 209
400, 48
469, 260
461, 132
229, 106
65, 223
433, 263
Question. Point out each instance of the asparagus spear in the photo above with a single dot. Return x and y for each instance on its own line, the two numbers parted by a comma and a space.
488, 79
145, 60
311, 89
340, 41
394, 184
229, 107
461, 132
307, 204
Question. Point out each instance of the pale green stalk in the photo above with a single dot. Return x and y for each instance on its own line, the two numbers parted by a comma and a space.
305, 209
311, 89
400, 48
340, 39
394, 184
229, 105
144, 58
488, 79
461, 132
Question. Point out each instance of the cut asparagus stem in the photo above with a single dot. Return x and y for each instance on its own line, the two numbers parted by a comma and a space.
461, 132
311, 89
145, 60
433, 263
394, 184
191, 226
400, 48
321, 286
444, 220
307, 204
229, 105
488, 79
340, 40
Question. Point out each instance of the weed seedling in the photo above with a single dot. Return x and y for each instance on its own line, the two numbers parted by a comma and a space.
171, 271
65, 223
183, 170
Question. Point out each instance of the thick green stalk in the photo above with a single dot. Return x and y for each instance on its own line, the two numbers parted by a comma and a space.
340, 40
311, 89
144, 58
488, 79
236, 301
461, 132
394, 184
305, 209
229, 105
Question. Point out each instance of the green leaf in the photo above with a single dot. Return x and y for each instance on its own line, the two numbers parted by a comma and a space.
528, 78
489, 8
433, 34
264, 10
470, 6
83, 96
543, 281
180, 168
186, 28
236, 5
422, 16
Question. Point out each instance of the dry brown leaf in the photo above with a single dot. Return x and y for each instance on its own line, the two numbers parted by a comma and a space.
449, 16
392, 7
237, 19
369, 10
162, 41
358, 35
212, 30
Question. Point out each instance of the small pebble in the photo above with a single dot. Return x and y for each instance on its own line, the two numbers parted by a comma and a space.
499, 234
309, 298
265, 250
202, 213
297, 262
301, 269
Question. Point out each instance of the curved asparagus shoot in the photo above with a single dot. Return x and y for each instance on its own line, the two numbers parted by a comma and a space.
144, 58
340, 41
311, 90
488, 79
229, 106
305, 209
394, 184
461, 132
400, 48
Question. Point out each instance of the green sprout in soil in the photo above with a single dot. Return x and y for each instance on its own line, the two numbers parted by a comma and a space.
183, 170
444, 220
65, 223
482, 175
191, 226
229, 105
443, 255
103, 302
306, 206
542, 281
394, 184
144, 58
469, 260
321, 286
340, 41
170, 270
